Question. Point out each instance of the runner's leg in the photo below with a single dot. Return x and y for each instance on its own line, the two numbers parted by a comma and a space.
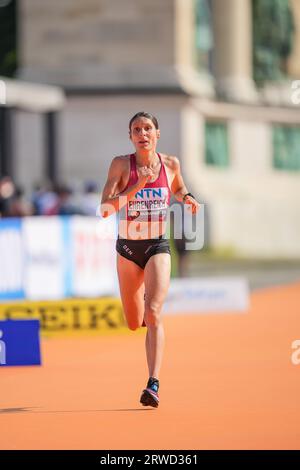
131, 282
157, 279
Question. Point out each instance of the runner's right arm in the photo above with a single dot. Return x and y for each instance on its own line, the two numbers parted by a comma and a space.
111, 201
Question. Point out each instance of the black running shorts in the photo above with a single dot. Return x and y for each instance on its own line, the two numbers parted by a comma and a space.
140, 251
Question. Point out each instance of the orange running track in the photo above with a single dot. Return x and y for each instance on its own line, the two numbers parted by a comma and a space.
227, 383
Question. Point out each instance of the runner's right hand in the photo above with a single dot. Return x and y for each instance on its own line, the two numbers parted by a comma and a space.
144, 174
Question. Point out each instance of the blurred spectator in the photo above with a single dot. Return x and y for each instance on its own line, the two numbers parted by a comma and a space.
7, 189
90, 199
47, 200
19, 206
12, 201
44, 199
64, 204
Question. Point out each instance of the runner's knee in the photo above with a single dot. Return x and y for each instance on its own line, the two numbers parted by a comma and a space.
132, 319
152, 313
133, 324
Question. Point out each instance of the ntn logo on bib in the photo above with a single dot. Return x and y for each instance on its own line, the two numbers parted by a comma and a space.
151, 203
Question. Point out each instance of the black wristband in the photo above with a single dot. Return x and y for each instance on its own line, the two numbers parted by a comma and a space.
188, 194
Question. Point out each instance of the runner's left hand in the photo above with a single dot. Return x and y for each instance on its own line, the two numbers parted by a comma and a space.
194, 206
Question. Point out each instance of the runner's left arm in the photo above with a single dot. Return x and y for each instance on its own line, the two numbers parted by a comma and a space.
180, 190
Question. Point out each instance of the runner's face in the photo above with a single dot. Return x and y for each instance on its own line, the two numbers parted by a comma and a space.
144, 134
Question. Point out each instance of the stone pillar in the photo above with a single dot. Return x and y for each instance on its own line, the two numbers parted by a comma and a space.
7, 160
191, 79
232, 23
51, 168
184, 32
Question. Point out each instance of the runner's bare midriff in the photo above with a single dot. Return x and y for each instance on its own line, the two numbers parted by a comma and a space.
141, 230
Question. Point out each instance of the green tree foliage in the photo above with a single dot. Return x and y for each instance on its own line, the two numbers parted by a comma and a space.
273, 34
8, 37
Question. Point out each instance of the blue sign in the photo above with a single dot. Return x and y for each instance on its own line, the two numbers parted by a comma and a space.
19, 343
11, 259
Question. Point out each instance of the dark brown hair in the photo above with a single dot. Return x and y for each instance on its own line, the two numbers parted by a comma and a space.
144, 115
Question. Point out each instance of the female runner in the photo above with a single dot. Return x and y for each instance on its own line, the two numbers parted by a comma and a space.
139, 187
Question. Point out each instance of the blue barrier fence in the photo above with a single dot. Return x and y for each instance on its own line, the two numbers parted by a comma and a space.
44, 258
